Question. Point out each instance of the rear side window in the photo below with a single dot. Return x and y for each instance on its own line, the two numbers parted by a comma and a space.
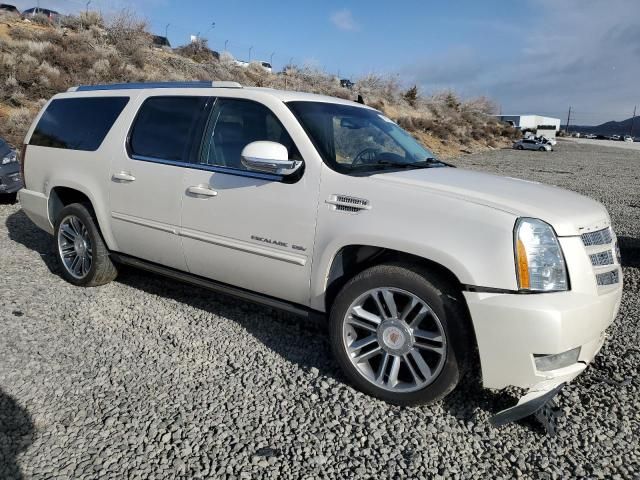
164, 126
77, 123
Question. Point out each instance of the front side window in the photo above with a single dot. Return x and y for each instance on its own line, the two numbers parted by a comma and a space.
164, 126
77, 123
233, 124
357, 139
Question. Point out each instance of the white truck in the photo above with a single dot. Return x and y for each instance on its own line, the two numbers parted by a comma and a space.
318, 205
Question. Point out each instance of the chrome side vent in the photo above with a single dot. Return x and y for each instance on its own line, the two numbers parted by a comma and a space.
345, 203
608, 278
601, 258
599, 237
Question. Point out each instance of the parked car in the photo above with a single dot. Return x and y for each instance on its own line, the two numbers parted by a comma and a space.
324, 207
346, 83
10, 179
531, 144
615, 137
160, 41
590, 136
628, 138
31, 12
5, 7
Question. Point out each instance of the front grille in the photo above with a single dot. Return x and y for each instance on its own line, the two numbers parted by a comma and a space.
600, 237
601, 258
608, 278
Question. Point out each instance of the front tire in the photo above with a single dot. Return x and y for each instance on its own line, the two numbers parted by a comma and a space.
401, 333
82, 254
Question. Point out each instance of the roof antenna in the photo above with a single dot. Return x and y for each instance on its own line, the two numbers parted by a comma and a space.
360, 99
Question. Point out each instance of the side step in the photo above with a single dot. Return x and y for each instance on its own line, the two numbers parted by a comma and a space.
213, 285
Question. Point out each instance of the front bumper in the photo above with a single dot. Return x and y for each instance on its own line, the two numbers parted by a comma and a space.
10, 179
511, 328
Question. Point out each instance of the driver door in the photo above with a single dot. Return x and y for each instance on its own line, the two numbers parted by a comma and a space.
249, 229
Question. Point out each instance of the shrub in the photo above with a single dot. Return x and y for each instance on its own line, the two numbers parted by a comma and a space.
198, 51
411, 95
129, 36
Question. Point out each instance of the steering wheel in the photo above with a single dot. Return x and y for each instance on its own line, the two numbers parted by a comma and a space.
366, 155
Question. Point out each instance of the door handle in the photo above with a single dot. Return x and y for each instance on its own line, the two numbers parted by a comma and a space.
122, 177
201, 191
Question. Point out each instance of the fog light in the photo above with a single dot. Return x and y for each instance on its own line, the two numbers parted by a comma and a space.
544, 363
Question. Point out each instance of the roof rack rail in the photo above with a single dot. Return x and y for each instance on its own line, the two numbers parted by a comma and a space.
144, 85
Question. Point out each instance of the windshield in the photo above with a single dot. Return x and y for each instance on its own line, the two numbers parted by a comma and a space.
356, 139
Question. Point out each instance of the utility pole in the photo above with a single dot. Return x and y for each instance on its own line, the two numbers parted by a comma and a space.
632, 121
271, 58
166, 30
225, 45
88, 3
568, 120
250, 48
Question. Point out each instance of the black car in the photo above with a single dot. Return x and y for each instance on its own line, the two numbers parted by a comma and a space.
10, 178
346, 83
160, 41
50, 14
5, 7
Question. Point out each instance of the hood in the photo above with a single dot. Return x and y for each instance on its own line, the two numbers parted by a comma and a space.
567, 212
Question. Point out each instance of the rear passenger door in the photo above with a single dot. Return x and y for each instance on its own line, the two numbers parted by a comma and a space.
243, 228
146, 179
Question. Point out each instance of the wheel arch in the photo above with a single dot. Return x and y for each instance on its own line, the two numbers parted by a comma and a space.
61, 196
350, 260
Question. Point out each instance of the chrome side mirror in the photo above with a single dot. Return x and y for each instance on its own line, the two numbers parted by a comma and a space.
268, 157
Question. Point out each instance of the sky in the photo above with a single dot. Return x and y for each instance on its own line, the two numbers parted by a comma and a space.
529, 56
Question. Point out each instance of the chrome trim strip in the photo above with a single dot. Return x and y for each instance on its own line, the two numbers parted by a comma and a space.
163, 227
214, 239
244, 246
209, 168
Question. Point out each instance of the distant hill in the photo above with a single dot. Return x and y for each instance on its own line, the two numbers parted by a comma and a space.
609, 128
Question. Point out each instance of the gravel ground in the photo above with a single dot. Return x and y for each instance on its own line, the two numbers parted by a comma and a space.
147, 378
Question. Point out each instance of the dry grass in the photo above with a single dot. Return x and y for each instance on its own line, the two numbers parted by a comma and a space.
39, 59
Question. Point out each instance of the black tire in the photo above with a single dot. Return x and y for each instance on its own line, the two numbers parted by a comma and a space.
446, 302
520, 147
542, 149
102, 269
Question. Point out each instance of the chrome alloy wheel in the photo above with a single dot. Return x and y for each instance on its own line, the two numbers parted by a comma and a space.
74, 247
394, 339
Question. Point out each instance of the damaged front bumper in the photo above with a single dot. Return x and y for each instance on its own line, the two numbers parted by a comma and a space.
540, 404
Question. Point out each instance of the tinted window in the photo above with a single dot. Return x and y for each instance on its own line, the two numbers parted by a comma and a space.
236, 123
164, 125
77, 123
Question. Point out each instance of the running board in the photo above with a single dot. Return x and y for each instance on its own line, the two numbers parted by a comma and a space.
213, 285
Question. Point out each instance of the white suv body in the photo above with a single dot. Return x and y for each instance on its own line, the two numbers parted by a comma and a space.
294, 240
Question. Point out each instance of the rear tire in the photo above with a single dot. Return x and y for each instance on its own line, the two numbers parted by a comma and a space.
520, 147
82, 253
395, 373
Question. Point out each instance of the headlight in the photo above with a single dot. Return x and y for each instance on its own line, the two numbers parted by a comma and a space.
11, 157
539, 261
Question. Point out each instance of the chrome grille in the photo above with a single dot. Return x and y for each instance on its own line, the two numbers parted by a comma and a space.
608, 278
346, 203
351, 200
347, 208
602, 258
600, 237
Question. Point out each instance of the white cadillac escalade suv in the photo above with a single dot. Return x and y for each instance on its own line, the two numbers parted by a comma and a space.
320, 205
